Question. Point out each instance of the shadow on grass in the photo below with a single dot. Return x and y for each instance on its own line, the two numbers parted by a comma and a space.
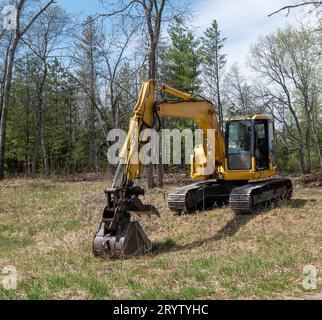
229, 230
299, 203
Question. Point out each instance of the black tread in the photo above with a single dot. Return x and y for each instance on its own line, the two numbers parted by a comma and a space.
201, 195
258, 195
242, 196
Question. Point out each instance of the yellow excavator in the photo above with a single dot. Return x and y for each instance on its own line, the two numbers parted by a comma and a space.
235, 169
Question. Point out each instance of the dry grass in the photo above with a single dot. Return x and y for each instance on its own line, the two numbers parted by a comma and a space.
47, 227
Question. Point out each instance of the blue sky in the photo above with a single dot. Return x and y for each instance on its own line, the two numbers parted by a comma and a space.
241, 21
82, 7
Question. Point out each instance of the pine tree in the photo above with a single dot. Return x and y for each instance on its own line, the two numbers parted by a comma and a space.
180, 68
183, 59
214, 61
60, 116
88, 59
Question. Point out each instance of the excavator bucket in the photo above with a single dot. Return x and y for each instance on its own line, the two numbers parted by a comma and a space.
118, 236
129, 241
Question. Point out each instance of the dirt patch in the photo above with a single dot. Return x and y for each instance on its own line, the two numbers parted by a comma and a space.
310, 180
177, 179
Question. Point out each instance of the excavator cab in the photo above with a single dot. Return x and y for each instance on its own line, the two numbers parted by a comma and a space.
249, 143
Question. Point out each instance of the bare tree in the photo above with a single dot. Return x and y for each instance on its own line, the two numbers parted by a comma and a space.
88, 60
151, 14
43, 40
238, 93
153, 11
114, 53
18, 33
287, 62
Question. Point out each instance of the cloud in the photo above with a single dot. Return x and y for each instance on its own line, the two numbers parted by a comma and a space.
241, 21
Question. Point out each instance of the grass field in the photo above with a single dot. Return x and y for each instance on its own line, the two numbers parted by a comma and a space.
47, 227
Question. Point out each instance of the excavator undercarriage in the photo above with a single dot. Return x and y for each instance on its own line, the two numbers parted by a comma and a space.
241, 196
202, 195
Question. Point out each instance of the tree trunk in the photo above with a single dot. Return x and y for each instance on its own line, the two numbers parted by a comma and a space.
317, 144
27, 165
160, 169
34, 160
92, 138
44, 150
5, 103
152, 76
70, 136
316, 135
3, 81
308, 148
308, 129
220, 111
41, 123
154, 22
301, 154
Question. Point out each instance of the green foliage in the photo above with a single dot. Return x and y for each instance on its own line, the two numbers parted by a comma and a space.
61, 121
183, 59
212, 44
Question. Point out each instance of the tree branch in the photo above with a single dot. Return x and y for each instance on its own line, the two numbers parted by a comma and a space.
36, 17
114, 13
289, 7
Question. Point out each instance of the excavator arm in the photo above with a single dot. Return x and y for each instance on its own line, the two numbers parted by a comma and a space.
209, 156
130, 167
118, 236
147, 111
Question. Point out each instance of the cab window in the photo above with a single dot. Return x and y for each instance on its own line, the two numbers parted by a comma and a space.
261, 145
239, 145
